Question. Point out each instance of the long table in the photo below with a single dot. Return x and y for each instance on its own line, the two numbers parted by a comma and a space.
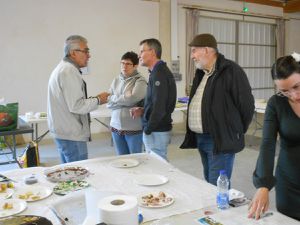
99, 115
192, 195
12, 147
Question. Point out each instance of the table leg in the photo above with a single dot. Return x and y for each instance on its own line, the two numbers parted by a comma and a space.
15, 151
32, 134
36, 131
107, 126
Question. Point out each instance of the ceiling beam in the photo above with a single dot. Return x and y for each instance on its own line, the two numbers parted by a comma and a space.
265, 2
292, 7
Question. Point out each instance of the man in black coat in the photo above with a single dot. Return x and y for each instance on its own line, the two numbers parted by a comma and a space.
220, 108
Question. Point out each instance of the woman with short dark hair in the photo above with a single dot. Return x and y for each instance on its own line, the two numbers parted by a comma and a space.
127, 90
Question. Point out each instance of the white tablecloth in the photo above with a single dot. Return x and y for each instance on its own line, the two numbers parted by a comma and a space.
189, 192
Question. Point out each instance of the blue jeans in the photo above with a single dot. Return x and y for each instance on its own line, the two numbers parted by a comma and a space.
127, 144
212, 164
157, 142
71, 151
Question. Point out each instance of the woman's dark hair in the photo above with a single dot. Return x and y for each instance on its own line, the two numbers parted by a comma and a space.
132, 56
284, 67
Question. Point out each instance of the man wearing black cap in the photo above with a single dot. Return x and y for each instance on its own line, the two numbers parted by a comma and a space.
220, 108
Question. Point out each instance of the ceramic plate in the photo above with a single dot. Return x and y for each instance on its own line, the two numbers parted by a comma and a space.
66, 173
151, 179
32, 193
234, 194
14, 206
63, 188
6, 194
155, 200
125, 163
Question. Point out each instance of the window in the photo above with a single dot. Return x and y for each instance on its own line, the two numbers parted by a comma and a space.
251, 44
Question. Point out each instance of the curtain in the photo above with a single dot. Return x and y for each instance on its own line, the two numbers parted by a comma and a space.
280, 37
192, 17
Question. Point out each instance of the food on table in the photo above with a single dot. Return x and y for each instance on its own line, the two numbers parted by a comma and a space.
63, 188
10, 185
7, 206
66, 173
25, 220
156, 199
29, 196
31, 193
4, 186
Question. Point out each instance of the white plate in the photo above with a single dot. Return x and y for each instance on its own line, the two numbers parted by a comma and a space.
125, 163
18, 206
6, 194
32, 193
234, 194
65, 173
151, 179
163, 202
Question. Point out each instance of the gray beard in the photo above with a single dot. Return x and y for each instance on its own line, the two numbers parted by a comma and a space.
199, 66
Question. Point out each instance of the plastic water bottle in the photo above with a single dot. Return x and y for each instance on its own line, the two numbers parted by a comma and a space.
222, 188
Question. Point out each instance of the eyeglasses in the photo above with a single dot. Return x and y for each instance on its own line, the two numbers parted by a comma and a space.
85, 51
289, 93
126, 64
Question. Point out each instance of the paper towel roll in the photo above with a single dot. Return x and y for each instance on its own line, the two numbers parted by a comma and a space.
92, 198
118, 210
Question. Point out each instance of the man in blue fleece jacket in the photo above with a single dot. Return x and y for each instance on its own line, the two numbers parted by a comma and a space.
160, 99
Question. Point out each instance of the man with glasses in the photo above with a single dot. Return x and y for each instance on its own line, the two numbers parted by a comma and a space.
160, 99
220, 108
68, 104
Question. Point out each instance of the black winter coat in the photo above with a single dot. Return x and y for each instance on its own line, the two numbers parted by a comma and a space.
227, 107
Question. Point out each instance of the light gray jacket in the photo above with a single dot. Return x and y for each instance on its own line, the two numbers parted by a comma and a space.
126, 92
67, 106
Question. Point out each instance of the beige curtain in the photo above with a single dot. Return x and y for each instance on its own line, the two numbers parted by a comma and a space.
192, 17
280, 37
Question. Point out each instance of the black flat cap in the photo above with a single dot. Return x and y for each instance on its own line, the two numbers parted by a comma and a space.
204, 40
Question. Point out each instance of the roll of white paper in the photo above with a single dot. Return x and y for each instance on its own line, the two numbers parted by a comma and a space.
118, 210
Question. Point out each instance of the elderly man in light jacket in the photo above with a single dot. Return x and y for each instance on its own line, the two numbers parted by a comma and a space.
68, 105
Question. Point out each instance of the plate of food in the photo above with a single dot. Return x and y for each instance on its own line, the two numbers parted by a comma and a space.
125, 163
155, 200
151, 179
32, 193
65, 187
25, 220
6, 193
66, 173
10, 207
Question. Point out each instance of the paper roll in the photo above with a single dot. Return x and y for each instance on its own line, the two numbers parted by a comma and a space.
118, 210
92, 197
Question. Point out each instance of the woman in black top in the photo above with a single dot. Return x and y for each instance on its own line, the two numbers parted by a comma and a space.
282, 117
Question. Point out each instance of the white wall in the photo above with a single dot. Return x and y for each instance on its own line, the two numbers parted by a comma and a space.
32, 34
293, 34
